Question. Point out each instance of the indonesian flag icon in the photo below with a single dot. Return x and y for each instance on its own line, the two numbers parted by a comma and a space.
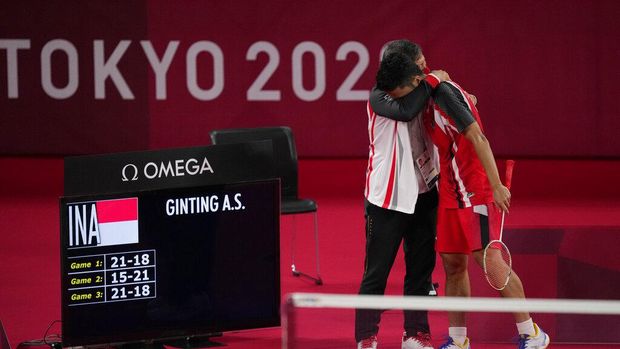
118, 221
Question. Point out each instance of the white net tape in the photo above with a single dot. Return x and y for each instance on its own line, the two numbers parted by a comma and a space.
317, 320
570, 306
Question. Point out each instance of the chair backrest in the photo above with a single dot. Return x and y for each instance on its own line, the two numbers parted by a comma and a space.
4, 339
284, 151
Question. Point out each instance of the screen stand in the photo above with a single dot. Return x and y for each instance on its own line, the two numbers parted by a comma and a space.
197, 342
142, 345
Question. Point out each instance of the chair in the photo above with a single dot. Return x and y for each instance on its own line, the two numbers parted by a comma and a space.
285, 155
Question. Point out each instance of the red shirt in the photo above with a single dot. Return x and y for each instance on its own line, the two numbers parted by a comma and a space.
462, 181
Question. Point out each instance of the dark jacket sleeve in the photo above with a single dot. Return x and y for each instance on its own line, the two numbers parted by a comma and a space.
450, 100
402, 109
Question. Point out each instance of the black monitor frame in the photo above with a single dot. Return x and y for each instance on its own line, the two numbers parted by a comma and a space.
183, 331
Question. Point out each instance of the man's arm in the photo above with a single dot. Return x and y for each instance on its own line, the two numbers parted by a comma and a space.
409, 106
401, 109
501, 194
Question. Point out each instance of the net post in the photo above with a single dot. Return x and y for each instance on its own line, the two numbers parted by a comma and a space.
288, 323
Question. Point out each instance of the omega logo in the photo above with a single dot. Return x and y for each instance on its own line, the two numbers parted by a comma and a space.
173, 168
133, 169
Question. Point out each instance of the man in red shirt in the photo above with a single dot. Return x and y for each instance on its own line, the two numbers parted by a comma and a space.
471, 196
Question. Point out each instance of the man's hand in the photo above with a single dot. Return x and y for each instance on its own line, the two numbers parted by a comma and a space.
473, 98
501, 196
441, 74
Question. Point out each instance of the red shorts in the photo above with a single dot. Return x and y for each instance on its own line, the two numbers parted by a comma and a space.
463, 230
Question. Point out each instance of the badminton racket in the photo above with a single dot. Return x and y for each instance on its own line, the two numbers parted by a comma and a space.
497, 262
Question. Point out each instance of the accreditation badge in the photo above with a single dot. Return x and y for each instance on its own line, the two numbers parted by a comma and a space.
427, 168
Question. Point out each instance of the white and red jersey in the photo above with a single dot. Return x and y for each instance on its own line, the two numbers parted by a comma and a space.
463, 181
392, 181
396, 134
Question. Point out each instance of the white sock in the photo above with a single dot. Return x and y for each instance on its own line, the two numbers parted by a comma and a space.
458, 334
526, 327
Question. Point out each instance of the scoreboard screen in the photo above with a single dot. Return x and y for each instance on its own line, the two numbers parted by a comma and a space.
172, 263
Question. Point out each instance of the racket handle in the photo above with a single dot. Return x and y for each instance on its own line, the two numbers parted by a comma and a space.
510, 164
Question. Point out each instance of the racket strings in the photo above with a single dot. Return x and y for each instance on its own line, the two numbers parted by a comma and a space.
497, 264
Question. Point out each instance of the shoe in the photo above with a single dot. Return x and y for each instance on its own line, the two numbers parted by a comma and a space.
368, 343
421, 340
540, 340
451, 345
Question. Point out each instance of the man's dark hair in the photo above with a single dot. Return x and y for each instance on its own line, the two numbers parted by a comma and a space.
396, 70
405, 46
